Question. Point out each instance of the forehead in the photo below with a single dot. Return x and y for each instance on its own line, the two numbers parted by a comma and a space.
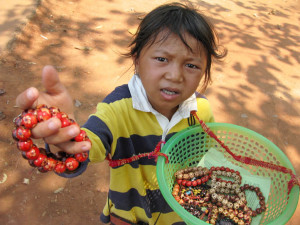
172, 41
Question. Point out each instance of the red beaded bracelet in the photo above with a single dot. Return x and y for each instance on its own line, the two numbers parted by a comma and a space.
38, 157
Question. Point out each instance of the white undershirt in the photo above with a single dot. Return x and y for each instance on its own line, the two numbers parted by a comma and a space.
140, 102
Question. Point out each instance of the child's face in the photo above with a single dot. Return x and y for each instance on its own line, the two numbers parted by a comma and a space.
170, 72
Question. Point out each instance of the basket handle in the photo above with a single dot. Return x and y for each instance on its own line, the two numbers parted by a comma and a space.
247, 160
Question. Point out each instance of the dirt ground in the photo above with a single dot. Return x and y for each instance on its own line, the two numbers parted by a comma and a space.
257, 87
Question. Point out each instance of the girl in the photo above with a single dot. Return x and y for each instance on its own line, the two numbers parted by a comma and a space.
172, 52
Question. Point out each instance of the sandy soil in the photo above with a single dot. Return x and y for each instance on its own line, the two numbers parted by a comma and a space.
257, 87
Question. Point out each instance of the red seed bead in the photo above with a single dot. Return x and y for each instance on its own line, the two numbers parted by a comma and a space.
199, 181
81, 136
50, 164
25, 145
65, 122
33, 153
179, 181
183, 182
58, 115
40, 161
81, 157
31, 111
60, 167
54, 110
189, 183
43, 114
71, 164
23, 134
194, 183
29, 120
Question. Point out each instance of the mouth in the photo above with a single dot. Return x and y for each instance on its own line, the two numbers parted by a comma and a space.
169, 92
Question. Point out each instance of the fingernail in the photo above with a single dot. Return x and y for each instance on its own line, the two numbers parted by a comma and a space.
52, 125
72, 132
85, 147
30, 93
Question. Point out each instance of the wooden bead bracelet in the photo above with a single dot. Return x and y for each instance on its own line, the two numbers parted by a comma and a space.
192, 176
38, 157
218, 200
260, 196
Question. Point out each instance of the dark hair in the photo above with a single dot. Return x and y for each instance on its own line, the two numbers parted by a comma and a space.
177, 18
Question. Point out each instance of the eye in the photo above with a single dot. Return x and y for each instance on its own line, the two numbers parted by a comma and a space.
192, 66
161, 59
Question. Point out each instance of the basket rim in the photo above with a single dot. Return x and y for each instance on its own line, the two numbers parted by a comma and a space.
281, 219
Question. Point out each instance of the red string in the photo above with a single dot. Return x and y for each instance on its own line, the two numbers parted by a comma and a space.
247, 160
154, 154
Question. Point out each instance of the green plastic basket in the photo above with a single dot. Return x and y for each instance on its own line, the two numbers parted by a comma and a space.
187, 147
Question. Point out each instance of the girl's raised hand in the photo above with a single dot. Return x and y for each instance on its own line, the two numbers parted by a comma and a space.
55, 94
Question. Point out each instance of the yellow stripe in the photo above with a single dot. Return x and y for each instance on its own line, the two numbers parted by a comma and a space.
141, 178
204, 110
97, 152
126, 114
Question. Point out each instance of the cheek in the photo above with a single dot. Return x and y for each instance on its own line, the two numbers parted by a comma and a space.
194, 80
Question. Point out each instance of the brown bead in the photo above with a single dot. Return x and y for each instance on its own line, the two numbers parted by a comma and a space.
235, 219
259, 194
246, 217
186, 176
191, 175
261, 198
258, 211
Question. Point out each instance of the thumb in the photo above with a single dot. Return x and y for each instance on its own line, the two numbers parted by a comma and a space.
51, 82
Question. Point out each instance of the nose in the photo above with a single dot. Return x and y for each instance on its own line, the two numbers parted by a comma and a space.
174, 73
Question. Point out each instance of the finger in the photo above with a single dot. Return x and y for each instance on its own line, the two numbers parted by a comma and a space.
51, 82
28, 98
46, 128
73, 147
63, 135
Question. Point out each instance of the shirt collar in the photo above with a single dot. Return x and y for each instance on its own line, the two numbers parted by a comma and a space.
141, 102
